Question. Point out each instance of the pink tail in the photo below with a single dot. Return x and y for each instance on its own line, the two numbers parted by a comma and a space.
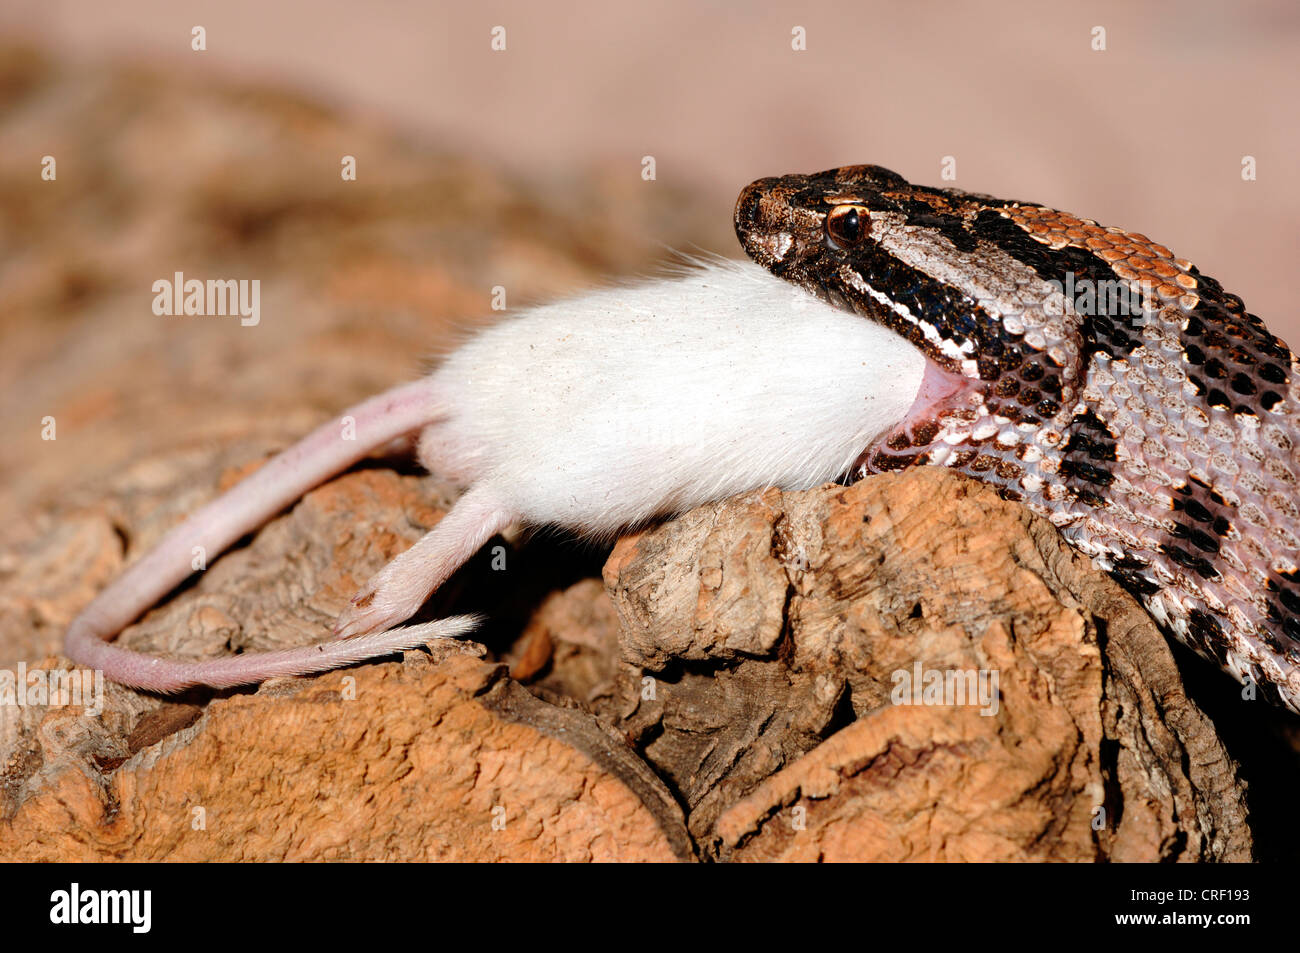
272, 488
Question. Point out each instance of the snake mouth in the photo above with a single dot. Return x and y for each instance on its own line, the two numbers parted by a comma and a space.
787, 225
946, 407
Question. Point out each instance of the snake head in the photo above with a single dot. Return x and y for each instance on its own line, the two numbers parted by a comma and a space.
864, 239
786, 223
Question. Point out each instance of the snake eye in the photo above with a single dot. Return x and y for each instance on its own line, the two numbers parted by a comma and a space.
846, 225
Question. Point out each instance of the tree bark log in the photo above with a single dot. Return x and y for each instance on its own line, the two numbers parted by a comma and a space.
793, 635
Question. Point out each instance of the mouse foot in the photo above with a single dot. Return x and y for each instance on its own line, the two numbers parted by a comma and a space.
397, 591
376, 607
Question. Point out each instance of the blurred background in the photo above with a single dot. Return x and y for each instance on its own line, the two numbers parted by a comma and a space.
1148, 134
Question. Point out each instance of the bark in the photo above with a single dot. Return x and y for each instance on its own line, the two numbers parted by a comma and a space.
787, 633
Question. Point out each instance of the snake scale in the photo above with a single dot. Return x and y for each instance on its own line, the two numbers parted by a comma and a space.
1086, 372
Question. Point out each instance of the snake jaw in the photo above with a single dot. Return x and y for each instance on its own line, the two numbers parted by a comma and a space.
947, 409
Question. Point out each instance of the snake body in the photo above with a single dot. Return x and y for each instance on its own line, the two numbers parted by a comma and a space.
1086, 372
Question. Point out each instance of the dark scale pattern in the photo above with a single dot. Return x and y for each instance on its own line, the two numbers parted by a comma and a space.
1201, 518
928, 300
1231, 354
1164, 444
1087, 455
1100, 332
1188, 560
1283, 617
924, 215
1205, 634
1134, 575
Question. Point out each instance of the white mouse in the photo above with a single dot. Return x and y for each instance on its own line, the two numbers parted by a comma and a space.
592, 414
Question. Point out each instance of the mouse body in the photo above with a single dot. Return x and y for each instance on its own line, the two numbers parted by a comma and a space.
592, 414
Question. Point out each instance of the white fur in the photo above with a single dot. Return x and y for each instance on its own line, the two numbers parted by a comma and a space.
605, 410
593, 414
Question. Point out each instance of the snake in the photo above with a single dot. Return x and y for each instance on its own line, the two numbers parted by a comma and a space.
1085, 372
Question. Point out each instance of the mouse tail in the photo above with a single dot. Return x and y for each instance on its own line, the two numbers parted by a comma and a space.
326, 451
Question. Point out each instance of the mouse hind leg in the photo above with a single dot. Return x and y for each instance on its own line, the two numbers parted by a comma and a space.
397, 591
